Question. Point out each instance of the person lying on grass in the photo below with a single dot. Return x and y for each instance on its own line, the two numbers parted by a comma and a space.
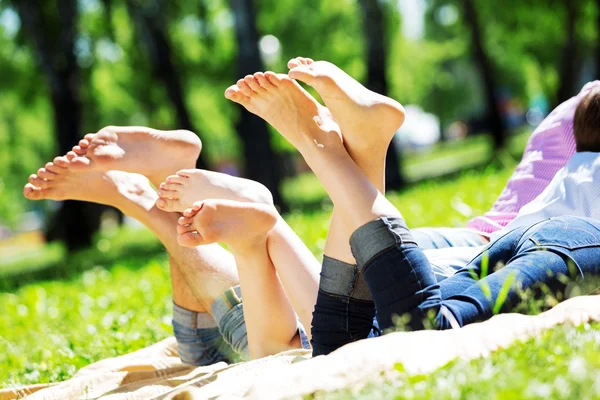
393, 277
548, 149
208, 316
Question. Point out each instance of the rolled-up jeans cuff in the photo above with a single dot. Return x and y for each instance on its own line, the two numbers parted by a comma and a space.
199, 340
378, 235
228, 311
343, 279
193, 319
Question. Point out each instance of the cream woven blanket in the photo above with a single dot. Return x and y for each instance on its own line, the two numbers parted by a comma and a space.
156, 372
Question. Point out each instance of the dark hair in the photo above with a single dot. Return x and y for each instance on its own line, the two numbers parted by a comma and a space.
586, 123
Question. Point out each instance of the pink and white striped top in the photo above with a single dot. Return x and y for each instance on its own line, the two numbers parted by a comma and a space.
548, 150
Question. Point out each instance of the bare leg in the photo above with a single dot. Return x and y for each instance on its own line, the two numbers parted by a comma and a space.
130, 149
206, 271
244, 228
368, 122
296, 266
310, 128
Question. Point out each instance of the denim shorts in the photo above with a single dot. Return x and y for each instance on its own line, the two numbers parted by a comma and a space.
228, 341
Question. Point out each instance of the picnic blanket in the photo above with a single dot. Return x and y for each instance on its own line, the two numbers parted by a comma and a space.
156, 372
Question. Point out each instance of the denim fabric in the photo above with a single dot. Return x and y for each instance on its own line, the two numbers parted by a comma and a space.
551, 253
344, 311
447, 261
396, 270
441, 238
228, 312
554, 256
198, 338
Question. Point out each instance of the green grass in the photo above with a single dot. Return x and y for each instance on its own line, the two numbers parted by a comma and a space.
563, 363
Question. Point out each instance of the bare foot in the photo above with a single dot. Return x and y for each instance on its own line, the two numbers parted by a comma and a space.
289, 108
59, 180
188, 186
150, 152
237, 224
367, 119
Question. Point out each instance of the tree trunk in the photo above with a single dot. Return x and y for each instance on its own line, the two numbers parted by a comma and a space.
261, 163
569, 62
482, 60
151, 27
75, 222
374, 26
597, 41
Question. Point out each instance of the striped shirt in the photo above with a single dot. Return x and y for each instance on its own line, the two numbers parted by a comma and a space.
549, 148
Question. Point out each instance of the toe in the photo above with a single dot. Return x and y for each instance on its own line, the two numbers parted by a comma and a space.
61, 162
168, 205
56, 169
169, 194
263, 81
186, 173
190, 212
84, 143
302, 73
234, 93
294, 62
179, 179
190, 239
181, 229
90, 136
46, 174
273, 78
252, 82
170, 187
38, 182
31, 192
78, 150
244, 88
78, 162
184, 221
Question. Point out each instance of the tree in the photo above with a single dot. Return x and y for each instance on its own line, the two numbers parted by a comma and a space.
260, 161
483, 62
52, 29
569, 60
374, 26
149, 19
597, 49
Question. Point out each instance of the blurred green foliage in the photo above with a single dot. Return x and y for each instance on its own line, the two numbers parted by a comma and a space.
435, 70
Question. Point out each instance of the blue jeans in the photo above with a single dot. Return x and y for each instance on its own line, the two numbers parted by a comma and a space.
222, 337
547, 256
441, 238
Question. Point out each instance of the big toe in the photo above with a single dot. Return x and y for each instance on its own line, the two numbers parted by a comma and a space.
302, 73
31, 192
299, 61
190, 239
